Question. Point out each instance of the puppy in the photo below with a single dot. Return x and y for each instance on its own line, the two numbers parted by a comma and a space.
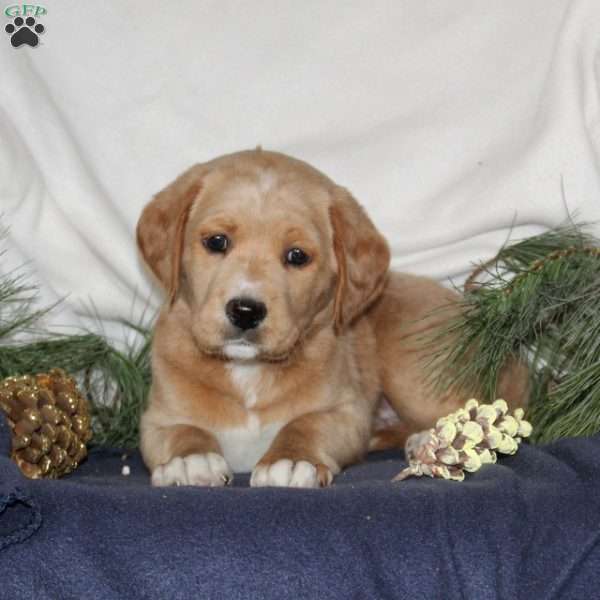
282, 330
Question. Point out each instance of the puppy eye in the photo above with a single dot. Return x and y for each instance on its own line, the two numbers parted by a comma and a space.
216, 243
296, 257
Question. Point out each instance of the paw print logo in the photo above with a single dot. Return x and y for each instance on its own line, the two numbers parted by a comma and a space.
24, 32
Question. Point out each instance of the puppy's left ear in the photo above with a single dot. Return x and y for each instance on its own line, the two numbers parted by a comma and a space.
362, 255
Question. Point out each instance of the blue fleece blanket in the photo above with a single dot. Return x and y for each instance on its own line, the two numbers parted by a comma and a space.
528, 527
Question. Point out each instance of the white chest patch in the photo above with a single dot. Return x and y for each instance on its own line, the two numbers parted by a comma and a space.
247, 378
244, 446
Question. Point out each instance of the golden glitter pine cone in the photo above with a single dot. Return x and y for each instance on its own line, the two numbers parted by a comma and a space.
50, 422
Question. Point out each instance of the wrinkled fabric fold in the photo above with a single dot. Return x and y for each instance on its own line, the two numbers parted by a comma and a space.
20, 514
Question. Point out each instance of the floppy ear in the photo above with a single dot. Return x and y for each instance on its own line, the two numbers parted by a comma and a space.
362, 255
161, 228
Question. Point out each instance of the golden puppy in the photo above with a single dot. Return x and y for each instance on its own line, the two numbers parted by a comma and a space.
282, 329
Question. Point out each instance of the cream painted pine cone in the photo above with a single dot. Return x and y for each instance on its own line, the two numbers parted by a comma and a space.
464, 441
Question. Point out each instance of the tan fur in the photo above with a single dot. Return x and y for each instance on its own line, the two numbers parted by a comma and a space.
335, 335
409, 307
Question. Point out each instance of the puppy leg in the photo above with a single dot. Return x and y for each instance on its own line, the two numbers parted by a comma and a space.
419, 408
409, 308
184, 455
313, 448
391, 436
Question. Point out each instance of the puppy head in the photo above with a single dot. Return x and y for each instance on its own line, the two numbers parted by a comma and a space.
263, 250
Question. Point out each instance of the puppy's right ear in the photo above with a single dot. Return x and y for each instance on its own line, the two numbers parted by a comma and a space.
161, 228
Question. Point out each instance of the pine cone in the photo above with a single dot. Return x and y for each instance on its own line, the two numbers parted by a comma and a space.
50, 422
464, 441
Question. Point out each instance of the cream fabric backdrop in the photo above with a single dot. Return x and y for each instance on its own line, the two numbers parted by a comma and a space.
451, 121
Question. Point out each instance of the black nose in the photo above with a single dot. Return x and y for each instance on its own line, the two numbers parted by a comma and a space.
245, 313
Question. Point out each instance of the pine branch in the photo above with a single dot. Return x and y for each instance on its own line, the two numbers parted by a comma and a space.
540, 301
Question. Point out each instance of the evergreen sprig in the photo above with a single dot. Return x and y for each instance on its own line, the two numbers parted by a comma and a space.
17, 298
539, 301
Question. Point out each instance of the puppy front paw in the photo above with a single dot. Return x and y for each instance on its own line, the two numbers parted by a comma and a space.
287, 473
208, 469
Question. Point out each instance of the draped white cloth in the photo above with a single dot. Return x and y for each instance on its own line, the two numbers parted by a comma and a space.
452, 122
